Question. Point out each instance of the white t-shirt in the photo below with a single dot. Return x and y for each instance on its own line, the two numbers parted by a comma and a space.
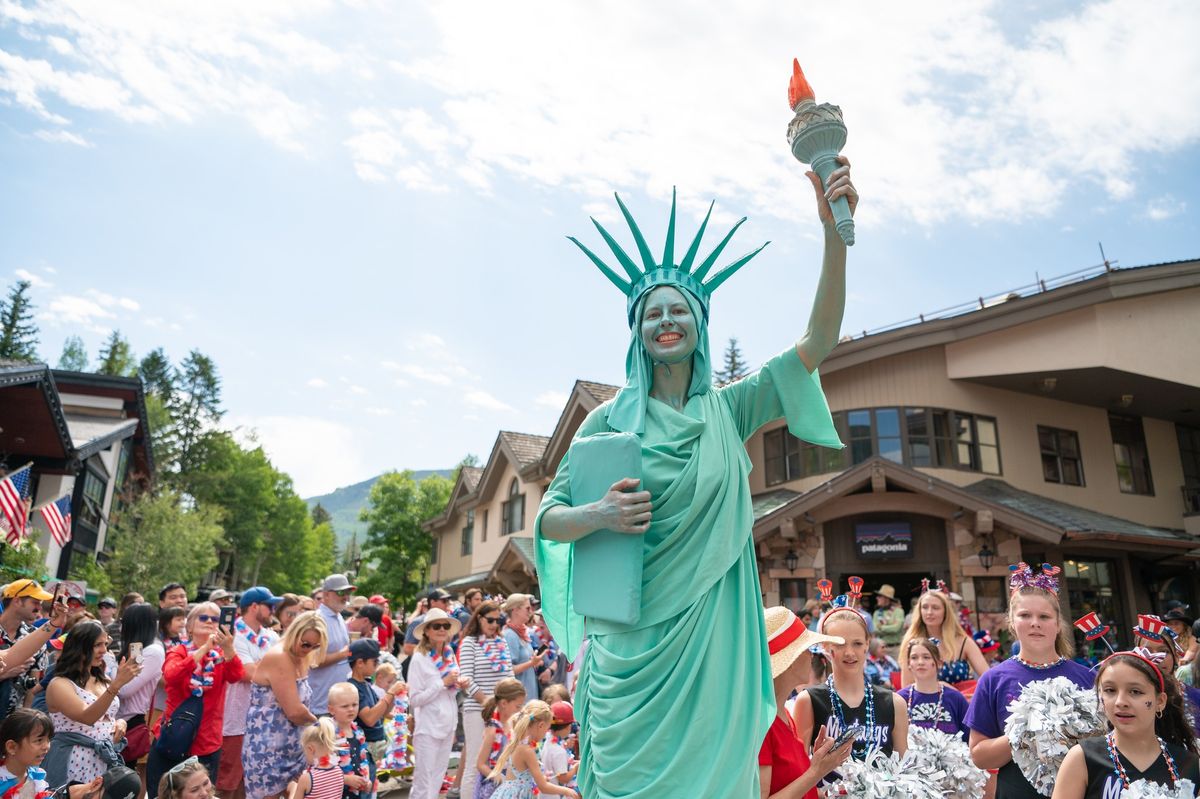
555, 759
237, 695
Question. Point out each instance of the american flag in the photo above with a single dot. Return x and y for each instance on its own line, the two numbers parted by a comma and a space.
13, 490
57, 515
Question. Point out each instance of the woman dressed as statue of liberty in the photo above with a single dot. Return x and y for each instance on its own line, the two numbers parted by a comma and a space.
677, 703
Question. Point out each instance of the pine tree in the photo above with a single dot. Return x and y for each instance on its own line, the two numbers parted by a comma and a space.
74, 356
195, 406
116, 357
18, 333
735, 368
320, 515
157, 375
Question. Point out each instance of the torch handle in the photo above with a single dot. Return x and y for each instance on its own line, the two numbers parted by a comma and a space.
823, 165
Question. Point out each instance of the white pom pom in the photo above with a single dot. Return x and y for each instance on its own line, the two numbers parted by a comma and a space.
934, 751
1144, 789
1047, 719
883, 776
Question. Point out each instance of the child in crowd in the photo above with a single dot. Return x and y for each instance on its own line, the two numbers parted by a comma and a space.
353, 757
555, 693
930, 703
1046, 646
372, 708
396, 758
1150, 738
1153, 633
506, 699
530, 725
24, 740
847, 698
323, 779
558, 761
188, 780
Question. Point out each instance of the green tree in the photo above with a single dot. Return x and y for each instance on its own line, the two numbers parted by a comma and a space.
25, 560
86, 568
18, 333
398, 547
157, 374
74, 356
156, 540
195, 408
116, 357
734, 369
320, 515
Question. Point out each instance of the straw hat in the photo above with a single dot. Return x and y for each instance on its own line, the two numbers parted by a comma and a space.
437, 614
887, 591
788, 638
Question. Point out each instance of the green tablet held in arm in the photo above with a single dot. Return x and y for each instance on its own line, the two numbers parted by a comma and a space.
606, 567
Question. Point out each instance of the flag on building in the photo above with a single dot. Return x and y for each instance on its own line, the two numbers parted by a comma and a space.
13, 490
57, 515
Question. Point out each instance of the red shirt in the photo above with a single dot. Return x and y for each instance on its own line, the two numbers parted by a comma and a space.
177, 677
385, 631
784, 753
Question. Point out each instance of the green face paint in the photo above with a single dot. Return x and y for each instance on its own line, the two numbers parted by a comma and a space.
668, 327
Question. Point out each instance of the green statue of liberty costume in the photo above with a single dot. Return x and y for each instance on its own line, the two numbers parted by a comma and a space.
677, 704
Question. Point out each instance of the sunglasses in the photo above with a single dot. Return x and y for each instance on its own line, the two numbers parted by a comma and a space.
440, 625
178, 768
306, 645
490, 619
204, 617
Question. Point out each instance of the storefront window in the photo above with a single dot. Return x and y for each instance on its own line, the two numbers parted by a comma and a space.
1090, 587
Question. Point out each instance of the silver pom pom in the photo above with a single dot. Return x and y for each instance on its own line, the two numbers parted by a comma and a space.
883, 776
1047, 719
1144, 789
935, 752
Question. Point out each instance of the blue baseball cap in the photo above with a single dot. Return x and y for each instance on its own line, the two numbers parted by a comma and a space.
259, 594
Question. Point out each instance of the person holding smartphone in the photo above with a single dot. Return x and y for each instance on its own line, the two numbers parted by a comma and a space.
785, 769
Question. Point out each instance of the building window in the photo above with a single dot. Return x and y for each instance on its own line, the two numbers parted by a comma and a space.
991, 595
1061, 461
1129, 452
858, 428
513, 510
468, 533
793, 594
1189, 455
1090, 586
781, 456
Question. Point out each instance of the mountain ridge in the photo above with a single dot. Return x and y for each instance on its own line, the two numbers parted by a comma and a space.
343, 504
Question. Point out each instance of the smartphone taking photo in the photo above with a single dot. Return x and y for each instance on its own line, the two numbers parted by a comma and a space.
227, 616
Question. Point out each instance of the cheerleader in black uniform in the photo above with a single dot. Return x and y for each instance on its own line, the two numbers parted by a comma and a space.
1150, 738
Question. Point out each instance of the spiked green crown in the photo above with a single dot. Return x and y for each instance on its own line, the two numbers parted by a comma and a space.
667, 273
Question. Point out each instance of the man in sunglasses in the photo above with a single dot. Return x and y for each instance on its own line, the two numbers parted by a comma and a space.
24, 645
335, 593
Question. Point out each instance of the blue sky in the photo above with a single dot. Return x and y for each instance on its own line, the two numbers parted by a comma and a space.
359, 208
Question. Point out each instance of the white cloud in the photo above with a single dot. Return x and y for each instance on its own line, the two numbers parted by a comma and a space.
359, 390
74, 310
63, 137
289, 442
377, 411
555, 400
428, 375
482, 399
1164, 207
316, 382
36, 280
418, 403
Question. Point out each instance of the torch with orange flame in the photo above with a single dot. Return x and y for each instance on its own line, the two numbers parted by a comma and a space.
816, 135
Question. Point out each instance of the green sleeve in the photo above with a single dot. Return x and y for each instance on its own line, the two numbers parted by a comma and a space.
782, 388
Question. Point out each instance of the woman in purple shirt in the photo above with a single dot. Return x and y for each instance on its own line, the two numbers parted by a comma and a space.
1046, 648
931, 704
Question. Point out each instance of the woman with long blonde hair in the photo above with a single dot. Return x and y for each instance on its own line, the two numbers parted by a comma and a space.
529, 725
937, 620
272, 755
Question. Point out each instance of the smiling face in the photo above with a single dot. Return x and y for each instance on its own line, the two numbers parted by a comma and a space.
850, 657
668, 327
1129, 698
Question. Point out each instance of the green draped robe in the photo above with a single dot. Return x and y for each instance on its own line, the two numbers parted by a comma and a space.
678, 704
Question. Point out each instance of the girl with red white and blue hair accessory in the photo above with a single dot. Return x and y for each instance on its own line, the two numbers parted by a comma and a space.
847, 698
1149, 737
1154, 634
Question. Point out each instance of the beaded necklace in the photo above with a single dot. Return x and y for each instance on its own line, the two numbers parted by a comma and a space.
1039, 666
496, 651
260, 639
1119, 770
859, 749
937, 711
203, 673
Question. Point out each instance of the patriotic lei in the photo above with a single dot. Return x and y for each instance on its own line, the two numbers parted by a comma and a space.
11, 788
573, 782
349, 755
202, 675
496, 651
445, 662
396, 757
498, 740
259, 639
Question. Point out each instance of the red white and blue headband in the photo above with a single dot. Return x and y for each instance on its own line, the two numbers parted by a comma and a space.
1151, 659
1023, 576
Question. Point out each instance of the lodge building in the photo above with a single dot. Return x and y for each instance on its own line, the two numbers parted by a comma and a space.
1058, 424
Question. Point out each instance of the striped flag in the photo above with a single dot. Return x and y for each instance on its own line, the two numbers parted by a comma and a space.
57, 515
13, 490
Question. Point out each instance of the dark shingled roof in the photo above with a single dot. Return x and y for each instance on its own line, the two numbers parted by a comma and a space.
1071, 519
526, 447
771, 501
470, 477
525, 546
603, 392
